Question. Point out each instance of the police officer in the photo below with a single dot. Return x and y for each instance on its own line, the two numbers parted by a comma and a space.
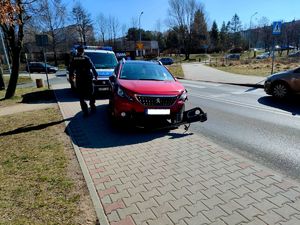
82, 66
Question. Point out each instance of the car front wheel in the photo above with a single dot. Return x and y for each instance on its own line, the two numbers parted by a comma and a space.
280, 90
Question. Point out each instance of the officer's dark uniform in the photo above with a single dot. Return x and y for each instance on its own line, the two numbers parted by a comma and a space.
82, 65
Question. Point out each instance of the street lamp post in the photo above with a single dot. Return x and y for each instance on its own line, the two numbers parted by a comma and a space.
250, 32
140, 33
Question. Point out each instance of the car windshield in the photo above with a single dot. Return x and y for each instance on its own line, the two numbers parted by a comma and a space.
102, 60
145, 71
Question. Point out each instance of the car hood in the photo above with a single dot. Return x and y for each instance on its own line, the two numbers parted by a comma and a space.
152, 87
280, 75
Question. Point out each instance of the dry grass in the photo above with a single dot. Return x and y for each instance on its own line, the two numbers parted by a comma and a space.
256, 68
21, 80
176, 70
41, 182
17, 97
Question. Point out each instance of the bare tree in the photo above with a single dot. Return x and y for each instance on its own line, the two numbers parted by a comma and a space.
83, 21
52, 18
114, 26
134, 22
265, 32
181, 18
13, 15
102, 25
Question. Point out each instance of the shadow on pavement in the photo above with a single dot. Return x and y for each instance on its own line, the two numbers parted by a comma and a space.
291, 105
97, 131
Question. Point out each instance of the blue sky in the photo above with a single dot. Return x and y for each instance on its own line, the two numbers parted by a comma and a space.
219, 10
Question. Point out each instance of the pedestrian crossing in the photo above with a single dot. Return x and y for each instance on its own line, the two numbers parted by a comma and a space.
226, 89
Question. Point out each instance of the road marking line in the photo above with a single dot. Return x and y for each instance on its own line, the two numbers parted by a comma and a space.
200, 82
193, 85
277, 111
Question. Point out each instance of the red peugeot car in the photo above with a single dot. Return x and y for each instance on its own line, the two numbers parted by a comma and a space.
144, 89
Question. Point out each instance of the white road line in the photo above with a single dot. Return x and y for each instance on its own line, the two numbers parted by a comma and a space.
276, 111
193, 85
199, 82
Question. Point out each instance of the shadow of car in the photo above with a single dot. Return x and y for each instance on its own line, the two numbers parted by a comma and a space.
282, 84
40, 67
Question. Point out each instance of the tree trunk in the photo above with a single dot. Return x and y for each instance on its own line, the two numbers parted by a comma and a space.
187, 56
16, 44
2, 85
11, 88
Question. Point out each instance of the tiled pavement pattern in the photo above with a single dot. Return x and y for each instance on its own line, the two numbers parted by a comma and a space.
166, 178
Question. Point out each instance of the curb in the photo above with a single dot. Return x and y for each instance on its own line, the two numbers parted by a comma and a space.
102, 218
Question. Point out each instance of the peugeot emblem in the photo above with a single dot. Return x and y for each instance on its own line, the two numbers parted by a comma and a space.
158, 100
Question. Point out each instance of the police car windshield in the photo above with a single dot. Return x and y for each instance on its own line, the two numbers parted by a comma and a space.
141, 71
102, 60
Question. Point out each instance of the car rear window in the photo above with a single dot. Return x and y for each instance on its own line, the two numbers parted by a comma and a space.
140, 71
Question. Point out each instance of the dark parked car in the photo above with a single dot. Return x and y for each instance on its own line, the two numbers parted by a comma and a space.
282, 84
40, 67
264, 55
166, 61
295, 54
233, 56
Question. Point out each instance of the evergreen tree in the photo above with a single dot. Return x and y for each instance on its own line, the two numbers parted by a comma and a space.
199, 31
224, 37
214, 37
235, 28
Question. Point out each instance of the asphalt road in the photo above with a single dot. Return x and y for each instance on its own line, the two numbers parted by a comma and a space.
246, 121
249, 122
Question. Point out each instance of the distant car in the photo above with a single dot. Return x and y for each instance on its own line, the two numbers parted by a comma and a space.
143, 90
233, 56
166, 61
40, 67
294, 54
281, 85
264, 55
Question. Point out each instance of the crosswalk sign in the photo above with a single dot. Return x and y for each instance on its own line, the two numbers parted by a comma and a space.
276, 30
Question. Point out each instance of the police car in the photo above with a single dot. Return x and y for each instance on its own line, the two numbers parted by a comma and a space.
105, 61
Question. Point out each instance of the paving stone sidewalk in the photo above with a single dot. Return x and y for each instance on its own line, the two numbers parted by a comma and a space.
172, 177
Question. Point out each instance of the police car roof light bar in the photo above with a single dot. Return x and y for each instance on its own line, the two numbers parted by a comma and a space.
91, 47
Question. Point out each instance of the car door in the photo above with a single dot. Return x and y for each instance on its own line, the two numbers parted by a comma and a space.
295, 84
41, 67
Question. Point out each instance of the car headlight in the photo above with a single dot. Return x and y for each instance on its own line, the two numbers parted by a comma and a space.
183, 96
123, 94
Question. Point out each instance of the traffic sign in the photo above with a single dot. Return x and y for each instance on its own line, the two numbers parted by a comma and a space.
276, 30
140, 46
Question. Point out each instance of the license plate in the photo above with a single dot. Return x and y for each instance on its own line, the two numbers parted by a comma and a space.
158, 112
103, 89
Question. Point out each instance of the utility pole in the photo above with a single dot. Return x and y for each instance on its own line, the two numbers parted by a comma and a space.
249, 39
140, 33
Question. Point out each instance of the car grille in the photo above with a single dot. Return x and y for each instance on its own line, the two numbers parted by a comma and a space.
156, 100
101, 82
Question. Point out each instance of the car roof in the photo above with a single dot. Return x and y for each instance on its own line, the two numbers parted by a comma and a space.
98, 51
141, 62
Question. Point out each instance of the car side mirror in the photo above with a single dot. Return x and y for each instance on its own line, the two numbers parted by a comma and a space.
112, 78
